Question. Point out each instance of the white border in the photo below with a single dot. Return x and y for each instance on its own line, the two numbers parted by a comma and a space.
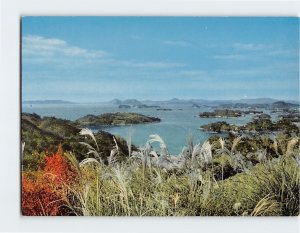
11, 10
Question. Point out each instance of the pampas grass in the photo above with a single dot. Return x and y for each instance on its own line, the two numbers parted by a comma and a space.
88, 132
235, 142
291, 144
151, 182
266, 207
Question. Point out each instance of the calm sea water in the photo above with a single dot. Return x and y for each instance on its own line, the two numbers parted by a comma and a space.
175, 126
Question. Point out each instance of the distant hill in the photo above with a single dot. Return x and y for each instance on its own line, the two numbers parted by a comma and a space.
256, 101
282, 104
200, 102
115, 101
174, 101
47, 102
266, 101
178, 101
131, 102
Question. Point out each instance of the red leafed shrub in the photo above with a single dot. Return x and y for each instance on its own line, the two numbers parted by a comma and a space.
39, 198
59, 168
43, 191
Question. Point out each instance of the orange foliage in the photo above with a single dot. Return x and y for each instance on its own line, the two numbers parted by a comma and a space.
38, 197
59, 168
43, 191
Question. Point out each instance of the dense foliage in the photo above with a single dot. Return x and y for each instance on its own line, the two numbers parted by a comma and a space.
213, 178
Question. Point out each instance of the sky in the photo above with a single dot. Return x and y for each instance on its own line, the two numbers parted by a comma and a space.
94, 59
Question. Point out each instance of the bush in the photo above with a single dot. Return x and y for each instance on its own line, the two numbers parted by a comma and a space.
277, 180
59, 168
151, 183
44, 190
39, 197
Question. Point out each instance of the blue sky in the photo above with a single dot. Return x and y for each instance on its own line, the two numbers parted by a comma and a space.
90, 59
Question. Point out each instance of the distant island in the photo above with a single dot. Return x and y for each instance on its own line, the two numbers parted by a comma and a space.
283, 105
47, 102
138, 106
221, 113
249, 104
194, 103
227, 113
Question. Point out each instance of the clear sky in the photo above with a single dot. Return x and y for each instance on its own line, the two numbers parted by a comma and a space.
90, 59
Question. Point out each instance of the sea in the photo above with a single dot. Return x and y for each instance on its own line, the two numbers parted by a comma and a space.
176, 127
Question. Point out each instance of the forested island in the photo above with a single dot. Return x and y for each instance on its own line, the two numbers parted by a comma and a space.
119, 118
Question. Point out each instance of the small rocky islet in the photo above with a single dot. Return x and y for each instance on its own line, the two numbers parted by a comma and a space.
288, 119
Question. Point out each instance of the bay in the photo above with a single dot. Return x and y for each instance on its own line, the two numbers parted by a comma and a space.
176, 126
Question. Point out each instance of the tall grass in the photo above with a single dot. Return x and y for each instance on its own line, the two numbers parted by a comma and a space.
195, 182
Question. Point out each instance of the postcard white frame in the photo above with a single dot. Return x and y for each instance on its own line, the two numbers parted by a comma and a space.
11, 11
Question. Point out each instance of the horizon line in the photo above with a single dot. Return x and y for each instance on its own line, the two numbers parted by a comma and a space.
169, 99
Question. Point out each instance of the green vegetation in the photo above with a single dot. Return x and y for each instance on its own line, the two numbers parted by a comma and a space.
44, 134
258, 124
221, 113
218, 127
218, 177
293, 116
119, 118
103, 175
